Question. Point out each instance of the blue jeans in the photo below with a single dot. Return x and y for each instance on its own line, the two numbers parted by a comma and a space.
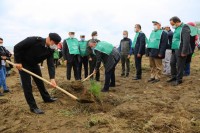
3, 78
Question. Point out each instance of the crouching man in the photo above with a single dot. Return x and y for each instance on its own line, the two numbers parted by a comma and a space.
109, 56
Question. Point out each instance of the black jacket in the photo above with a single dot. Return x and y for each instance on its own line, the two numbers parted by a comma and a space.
185, 46
170, 37
162, 47
33, 50
140, 44
4, 52
66, 55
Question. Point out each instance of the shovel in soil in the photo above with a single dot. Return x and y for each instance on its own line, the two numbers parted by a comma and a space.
78, 84
57, 87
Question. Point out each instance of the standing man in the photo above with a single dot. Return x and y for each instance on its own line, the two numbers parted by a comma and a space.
28, 54
181, 49
83, 56
70, 55
138, 46
156, 47
125, 51
4, 55
110, 56
92, 56
168, 53
193, 40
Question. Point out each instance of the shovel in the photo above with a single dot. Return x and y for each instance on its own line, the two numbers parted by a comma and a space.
78, 84
57, 87
90, 76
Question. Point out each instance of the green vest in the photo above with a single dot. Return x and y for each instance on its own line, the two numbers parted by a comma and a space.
73, 45
176, 40
194, 30
83, 48
104, 47
135, 40
154, 40
56, 54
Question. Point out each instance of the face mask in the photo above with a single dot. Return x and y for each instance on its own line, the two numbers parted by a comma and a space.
155, 27
174, 27
1, 44
94, 37
135, 30
124, 36
53, 46
82, 39
71, 36
93, 50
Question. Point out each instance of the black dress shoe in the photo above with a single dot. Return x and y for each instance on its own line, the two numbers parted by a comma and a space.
111, 85
171, 80
156, 80
177, 82
37, 111
50, 100
122, 75
103, 90
6, 91
137, 78
151, 79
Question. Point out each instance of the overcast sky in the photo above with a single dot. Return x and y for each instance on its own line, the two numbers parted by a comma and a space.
22, 18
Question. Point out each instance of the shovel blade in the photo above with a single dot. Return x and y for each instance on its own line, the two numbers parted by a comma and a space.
84, 101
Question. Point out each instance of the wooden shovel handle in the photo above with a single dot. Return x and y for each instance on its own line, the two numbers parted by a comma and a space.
46, 81
90, 75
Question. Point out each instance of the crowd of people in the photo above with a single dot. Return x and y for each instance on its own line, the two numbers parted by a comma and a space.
169, 53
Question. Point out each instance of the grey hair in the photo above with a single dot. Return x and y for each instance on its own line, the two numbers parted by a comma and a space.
92, 41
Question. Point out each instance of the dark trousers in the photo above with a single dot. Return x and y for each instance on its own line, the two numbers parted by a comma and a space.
109, 79
84, 62
125, 62
27, 87
56, 62
73, 64
92, 65
177, 66
138, 66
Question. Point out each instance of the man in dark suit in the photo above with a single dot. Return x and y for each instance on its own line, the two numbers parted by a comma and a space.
181, 49
138, 46
92, 57
29, 53
70, 54
109, 56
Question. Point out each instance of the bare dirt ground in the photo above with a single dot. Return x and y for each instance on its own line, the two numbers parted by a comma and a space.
130, 107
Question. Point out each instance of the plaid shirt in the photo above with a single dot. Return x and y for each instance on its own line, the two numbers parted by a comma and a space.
109, 61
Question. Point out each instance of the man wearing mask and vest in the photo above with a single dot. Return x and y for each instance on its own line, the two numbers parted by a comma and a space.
70, 54
83, 56
138, 46
28, 54
92, 56
125, 51
109, 56
168, 53
181, 49
157, 45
